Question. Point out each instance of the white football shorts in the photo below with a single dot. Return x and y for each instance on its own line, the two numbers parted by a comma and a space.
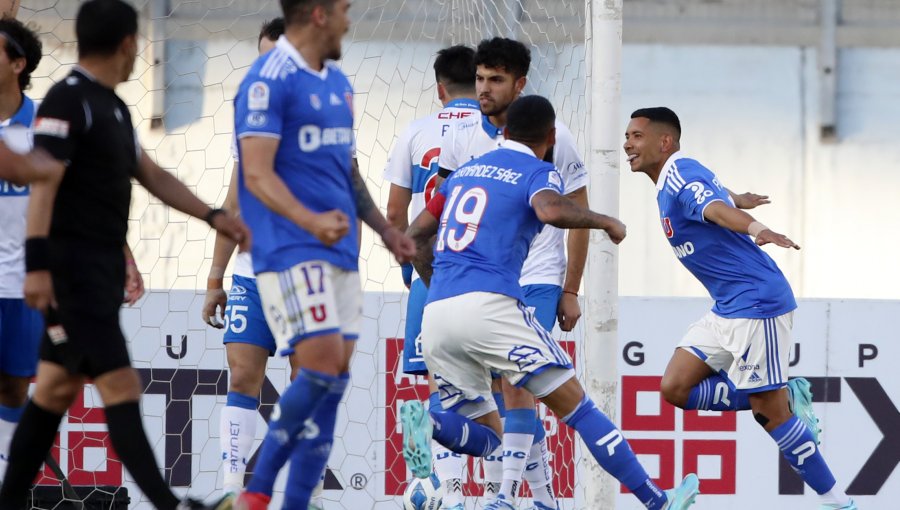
753, 353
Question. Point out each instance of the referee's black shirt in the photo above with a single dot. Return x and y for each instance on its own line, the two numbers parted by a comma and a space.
86, 126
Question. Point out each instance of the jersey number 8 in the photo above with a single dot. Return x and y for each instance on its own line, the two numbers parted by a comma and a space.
457, 206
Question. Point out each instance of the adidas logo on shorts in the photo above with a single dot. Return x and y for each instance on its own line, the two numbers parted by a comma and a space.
754, 377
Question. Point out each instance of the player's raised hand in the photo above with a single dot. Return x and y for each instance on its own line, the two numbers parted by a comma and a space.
768, 236
214, 307
615, 229
400, 244
233, 228
750, 200
39, 290
330, 227
134, 283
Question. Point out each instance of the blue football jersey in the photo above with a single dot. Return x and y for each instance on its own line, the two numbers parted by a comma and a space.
488, 223
742, 279
311, 113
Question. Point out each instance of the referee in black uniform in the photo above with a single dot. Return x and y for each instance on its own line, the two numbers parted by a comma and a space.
75, 263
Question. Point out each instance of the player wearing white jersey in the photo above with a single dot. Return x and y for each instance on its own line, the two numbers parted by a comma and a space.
550, 282
20, 326
412, 171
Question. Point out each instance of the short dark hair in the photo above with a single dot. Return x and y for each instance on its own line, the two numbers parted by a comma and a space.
661, 115
455, 68
529, 119
298, 11
502, 53
102, 25
271, 30
21, 42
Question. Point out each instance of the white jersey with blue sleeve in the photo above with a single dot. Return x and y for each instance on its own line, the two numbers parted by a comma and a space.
413, 162
311, 113
742, 279
487, 223
16, 133
468, 139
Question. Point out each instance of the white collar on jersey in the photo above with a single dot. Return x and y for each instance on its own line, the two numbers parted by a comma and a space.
284, 45
664, 174
518, 147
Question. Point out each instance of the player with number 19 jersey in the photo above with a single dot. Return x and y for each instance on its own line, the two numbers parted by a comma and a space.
487, 223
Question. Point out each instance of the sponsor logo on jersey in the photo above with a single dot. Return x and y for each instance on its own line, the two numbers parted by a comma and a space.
313, 137
454, 115
315, 102
334, 100
700, 191
684, 250
667, 227
238, 290
258, 96
51, 127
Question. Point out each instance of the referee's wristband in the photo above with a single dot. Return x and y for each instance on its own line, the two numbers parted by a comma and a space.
37, 254
211, 215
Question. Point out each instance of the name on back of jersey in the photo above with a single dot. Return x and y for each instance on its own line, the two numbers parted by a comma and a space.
489, 172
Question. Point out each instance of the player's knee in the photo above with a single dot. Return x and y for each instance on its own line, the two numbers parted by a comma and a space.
674, 392
246, 378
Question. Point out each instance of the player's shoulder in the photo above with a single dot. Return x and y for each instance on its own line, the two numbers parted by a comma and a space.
337, 74
72, 85
689, 168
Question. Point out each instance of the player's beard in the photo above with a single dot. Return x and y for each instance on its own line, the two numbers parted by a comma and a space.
494, 109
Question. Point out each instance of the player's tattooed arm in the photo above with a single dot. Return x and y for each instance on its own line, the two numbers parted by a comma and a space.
422, 231
394, 240
559, 211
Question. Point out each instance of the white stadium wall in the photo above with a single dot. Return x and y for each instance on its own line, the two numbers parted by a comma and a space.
847, 348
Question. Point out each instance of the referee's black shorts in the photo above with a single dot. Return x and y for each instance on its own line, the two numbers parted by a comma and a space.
89, 283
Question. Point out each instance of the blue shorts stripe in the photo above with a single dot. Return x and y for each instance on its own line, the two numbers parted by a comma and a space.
777, 352
298, 307
288, 305
770, 367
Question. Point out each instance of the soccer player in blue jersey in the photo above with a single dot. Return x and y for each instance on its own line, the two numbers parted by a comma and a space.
475, 322
20, 326
248, 341
412, 171
736, 357
300, 194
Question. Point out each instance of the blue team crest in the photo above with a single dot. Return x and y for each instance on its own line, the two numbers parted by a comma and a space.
315, 102
667, 227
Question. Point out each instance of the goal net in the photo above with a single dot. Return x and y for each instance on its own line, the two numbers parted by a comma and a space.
193, 55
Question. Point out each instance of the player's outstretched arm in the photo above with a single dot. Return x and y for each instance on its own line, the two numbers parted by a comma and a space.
21, 169
422, 232
216, 298
559, 211
174, 193
569, 311
394, 239
748, 200
734, 219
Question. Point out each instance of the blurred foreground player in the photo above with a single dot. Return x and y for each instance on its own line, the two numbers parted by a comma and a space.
75, 267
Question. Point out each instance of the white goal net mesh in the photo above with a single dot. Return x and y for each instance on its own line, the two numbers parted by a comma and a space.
193, 55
